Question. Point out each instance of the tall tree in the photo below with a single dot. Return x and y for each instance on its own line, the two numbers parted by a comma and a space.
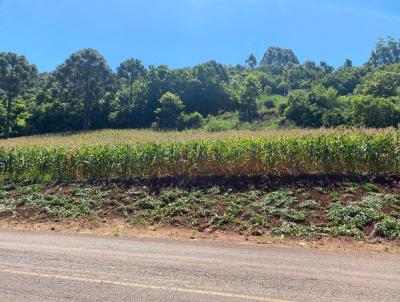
17, 75
307, 108
276, 56
385, 52
85, 77
208, 93
381, 82
130, 70
369, 111
251, 61
325, 67
348, 63
248, 98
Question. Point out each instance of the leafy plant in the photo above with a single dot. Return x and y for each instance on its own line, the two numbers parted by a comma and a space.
388, 227
279, 199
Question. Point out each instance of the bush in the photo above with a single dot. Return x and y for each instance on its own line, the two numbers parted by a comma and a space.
269, 104
192, 120
374, 112
389, 227
216, 125
170, 108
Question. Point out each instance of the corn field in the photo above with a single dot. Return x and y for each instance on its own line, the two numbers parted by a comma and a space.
325, 153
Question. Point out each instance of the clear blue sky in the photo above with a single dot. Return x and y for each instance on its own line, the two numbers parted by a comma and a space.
187, 32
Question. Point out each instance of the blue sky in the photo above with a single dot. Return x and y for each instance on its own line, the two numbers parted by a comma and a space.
187, 32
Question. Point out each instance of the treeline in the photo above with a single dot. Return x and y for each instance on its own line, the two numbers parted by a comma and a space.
278, 91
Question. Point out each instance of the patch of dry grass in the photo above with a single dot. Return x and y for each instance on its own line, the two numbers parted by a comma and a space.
129, 136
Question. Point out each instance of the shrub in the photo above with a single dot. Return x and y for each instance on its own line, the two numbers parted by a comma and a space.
216, 125
192, 120
388, 227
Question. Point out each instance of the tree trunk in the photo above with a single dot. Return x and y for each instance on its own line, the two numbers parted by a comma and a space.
86, 118
131, 93
87, 114
8, 118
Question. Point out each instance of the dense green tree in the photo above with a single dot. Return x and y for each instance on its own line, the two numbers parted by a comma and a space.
85, 93
325, 67
125, 114
17, 76
301, 111
310, 65
344, 79
276, 56
251, 61
369, 111
307, 108
192, 120
129, 71
160, 80
335, 117
208, 92
385, 52
251, 91
50, 117
347, 63
85, 77
301, 76
170, 108
381, 82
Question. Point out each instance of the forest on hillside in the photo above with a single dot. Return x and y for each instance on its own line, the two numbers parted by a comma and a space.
276, 91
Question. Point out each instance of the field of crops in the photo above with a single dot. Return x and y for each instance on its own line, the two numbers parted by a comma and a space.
290, 153
130, 136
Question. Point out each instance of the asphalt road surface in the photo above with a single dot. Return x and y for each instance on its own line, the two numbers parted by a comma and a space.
56, 267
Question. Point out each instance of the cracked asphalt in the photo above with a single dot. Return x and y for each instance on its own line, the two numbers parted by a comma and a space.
37, 266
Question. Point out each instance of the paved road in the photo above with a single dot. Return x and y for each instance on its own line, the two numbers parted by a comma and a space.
57, 267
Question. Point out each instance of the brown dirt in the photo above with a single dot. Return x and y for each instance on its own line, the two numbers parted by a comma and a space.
246, 182
117, 227
112, 222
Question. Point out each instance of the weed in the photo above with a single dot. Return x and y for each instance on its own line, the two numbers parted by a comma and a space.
294, 229
388, 227
355, 216
343, 230
145, 201
370, 187
350, 187
180, 207
335, 196
94, 222
309, 204
320, 189
280, 199
214, 190
258, 221
3, 194
291, 215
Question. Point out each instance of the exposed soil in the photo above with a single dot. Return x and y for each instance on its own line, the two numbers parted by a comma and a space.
119, 228
239, 208
246, 182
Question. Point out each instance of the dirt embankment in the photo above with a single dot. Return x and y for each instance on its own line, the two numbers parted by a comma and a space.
336, 211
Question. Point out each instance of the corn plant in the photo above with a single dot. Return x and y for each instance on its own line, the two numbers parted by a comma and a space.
325, 153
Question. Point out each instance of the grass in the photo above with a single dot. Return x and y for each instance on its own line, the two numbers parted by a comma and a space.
127, 136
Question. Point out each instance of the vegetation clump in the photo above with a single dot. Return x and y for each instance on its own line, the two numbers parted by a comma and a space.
284, 212
84, 93
321, 153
